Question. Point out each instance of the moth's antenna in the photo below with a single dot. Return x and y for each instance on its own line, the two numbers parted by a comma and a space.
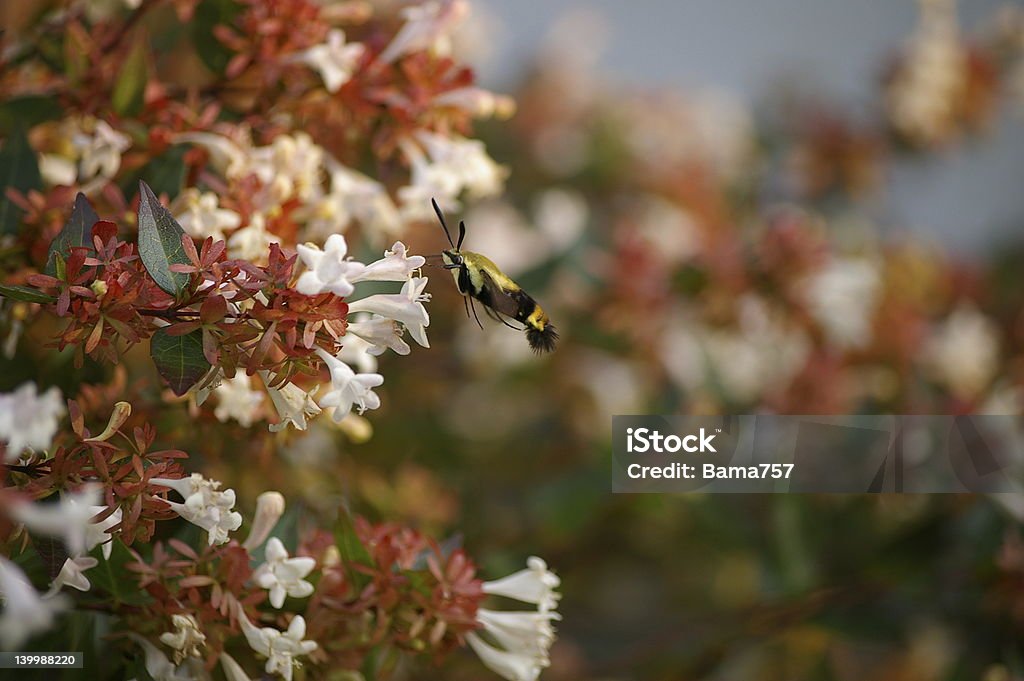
440, 216
462, 235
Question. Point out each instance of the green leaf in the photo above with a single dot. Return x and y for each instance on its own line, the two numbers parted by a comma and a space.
214, 54
77, 232
179, 359
109, 575
27, 111
130, 87
25, 293
160, 242
350, 547
19, 169
166, 173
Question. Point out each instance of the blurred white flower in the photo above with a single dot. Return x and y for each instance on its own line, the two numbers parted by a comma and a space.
252, 241
842, 298
451, 164
269, 509
477, 102
534, 584
396, 265
72, 574
291, 166
561, 216
334, 60
25, 613
100, 152
761, 354
57, 170
428, 26
358, 352
29, 420
201, 217
405, 307
237, 400
67, 520
232, 670
162, 669
328, 269
226, 156
204, 505
348, 388
283, 576
187, 640
280, 649
963, 352
922, 98
293, 405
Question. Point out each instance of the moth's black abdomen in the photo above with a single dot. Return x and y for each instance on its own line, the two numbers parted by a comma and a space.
542, 340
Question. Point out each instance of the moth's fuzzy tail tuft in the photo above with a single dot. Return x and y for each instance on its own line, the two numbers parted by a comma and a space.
542, 340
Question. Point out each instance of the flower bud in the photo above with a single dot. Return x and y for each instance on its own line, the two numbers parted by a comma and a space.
269, 509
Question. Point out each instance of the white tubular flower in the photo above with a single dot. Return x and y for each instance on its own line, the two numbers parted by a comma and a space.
508, 665
280, 649
526, 633
29, 420
535, 584
269, 509
97, 533
204, 505
396, 265
72, 574
428, 26
252, 241
100, 152
68, 520
523, 638
200, 215
162, 669
232, 670
405, 307
329, 270
282, 575
186, 639
477, 102
237, 400
25, 613
348, 388
358, 353
379, 333
334, 60
293, 404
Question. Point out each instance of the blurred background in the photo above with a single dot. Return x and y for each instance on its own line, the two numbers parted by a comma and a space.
738, 207
724, 207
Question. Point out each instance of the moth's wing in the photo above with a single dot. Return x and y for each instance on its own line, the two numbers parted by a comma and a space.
498, 317
500, 300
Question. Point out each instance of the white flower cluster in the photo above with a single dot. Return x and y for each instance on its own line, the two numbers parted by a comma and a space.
71, 521
205, 505
28, 420
282, 649
524, 637
90, 155
378, 323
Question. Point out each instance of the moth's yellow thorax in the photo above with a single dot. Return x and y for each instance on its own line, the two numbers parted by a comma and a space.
478, 264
